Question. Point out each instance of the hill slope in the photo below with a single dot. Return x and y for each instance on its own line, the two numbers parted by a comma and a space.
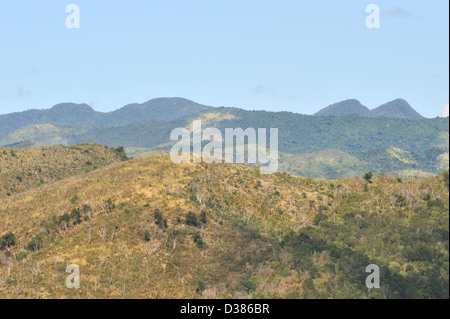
148, 228
25, 169
39, 135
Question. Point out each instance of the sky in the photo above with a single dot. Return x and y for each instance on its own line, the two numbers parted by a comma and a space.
283, 55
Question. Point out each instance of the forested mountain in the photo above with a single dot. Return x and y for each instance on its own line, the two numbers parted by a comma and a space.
168, 109
397, 109
82, 115
344, 108
312, 146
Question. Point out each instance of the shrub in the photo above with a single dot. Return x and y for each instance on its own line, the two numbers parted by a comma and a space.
191, 219
201, 286
147, 235
198, 239
75, 215
74, 199
247, 283
110, 206
203, 218
36, 243
319, 218
121, 152
64, 218
445, 176
368, 177
159, 219
7, 240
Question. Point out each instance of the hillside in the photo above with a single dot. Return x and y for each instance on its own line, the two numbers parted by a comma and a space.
147, 228
297, 133
329, 164
39, 135
25, 169
82, 115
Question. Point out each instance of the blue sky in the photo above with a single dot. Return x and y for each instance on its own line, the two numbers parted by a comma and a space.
294, 55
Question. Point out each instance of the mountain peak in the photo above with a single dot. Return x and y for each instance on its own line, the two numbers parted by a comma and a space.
346, 107
72, 107
161, 109
398, 108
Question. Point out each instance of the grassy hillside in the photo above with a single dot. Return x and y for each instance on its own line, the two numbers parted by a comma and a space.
148, 228
24, 169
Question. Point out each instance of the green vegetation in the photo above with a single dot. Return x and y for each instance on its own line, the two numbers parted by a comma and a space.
395, 109
311, 146
159, 219
7, 240
82, 115
368, 177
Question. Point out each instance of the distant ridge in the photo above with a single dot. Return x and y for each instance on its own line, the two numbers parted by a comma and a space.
82, 115
398, 109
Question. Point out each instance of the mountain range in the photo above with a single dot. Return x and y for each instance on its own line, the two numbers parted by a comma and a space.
82, 115
167, 109
395, 109
348, 141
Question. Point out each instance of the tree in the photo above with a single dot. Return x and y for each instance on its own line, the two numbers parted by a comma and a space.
147, 235
203, 218
121, 152
7, 240
368, 177
159, 219
198, 239
36, 243
191, 219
